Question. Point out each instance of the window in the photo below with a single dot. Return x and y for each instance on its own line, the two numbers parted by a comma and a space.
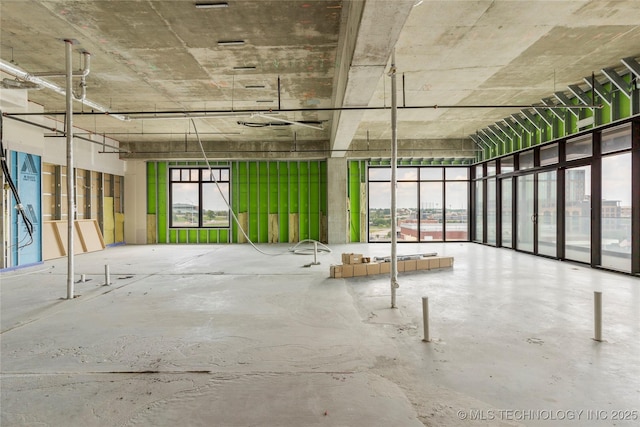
579, 148
616, 139
199, 197
506, 164
491, 168
549, 155
616, 211
429, 207
526, 160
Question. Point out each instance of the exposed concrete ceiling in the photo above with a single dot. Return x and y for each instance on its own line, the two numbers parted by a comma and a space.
311, 57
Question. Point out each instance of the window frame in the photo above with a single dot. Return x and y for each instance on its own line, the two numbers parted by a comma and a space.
199, 176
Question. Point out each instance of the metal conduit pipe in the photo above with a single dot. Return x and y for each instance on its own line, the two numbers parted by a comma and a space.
62, 133
33, 78
394, 188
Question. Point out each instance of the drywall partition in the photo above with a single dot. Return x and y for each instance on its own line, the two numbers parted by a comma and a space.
275, 201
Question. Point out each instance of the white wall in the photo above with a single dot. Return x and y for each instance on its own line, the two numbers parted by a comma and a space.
31, 139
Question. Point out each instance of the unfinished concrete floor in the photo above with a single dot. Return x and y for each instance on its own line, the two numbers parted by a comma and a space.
221, 335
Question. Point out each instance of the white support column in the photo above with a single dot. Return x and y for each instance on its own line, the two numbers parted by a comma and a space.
394, 164
70, 187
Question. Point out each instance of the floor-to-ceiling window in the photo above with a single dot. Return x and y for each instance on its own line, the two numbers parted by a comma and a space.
526, 213
432, 203
456, 204
491, 204
379, 204
615, 216
547, 197
577, 201
506, 203
479, 205
547, 213
525, 208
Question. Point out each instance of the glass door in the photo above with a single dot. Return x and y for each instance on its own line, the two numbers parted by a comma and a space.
507, 212
526, 217
547, 213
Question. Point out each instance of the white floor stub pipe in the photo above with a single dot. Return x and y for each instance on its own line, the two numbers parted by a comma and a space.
597, 315
107, 275
315, 253
425, 318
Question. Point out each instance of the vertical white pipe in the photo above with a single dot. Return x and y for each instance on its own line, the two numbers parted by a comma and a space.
597, 315
425, 318
107, 275
315, 253
394, 161
70, 190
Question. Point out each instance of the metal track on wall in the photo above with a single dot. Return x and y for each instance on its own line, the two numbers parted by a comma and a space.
599, 100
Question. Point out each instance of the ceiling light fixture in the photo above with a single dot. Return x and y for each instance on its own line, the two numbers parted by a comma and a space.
245, 68
265, 100
230, 42
211, 4
254, 87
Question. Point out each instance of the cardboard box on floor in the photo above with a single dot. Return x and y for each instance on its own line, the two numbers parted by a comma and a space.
351, 258
359, 270
347, 270
372, 269
335, 271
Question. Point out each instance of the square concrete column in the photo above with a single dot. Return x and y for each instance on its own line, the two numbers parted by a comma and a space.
338, 222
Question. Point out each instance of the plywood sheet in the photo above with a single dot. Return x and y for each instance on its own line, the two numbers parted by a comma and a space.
52, 245
89, 235
243, 222
108, 221
274, 228
86, 238
152, 235
294, 228
324, 229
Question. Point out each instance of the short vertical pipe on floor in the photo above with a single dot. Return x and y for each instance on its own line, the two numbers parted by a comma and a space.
597, 315
107, 275
83, 278
315, 253
425, 318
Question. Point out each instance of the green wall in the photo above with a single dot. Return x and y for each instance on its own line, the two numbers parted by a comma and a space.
263, 191
546, 126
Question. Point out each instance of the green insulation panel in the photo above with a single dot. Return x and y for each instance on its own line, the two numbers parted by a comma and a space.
355, 174
283, 201
162, 196
151, 183
267, 193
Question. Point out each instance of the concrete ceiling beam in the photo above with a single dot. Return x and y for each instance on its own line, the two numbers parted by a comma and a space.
373, 38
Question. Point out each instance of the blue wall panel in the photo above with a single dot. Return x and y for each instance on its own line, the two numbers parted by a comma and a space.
26, 175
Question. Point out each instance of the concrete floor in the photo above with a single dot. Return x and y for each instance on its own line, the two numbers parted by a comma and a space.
225, 336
